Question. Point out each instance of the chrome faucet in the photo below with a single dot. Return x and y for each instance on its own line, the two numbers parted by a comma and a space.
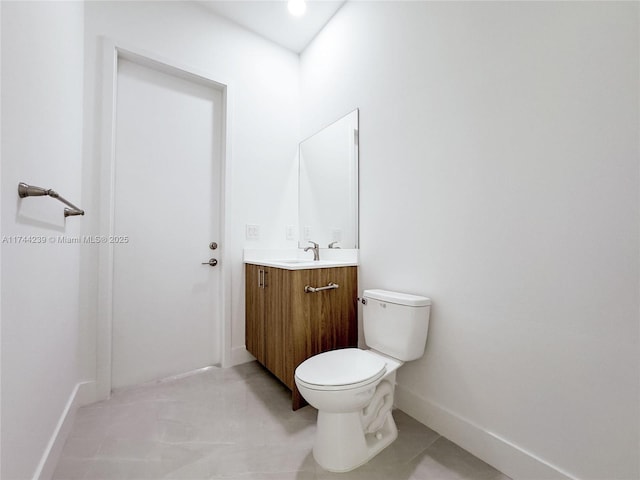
316, 251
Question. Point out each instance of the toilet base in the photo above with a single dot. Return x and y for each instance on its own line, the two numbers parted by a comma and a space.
341, 444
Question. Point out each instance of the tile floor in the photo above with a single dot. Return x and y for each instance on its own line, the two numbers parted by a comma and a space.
236, 423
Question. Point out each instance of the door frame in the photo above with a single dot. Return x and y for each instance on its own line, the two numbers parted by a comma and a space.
112, 51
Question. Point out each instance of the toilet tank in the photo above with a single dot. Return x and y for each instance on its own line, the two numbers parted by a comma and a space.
396, 324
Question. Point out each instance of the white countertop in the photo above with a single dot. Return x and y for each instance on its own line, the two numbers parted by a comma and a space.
297, 259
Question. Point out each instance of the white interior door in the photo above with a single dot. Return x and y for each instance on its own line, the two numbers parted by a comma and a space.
166, 304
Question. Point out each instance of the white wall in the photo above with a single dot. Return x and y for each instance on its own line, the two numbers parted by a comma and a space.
264, 104
42, 57
499, 176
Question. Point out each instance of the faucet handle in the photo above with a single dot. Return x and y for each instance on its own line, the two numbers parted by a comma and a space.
331, 245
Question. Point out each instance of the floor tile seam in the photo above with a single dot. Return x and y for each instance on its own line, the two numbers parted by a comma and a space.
423, 450
103, 456
196, 443
271, 472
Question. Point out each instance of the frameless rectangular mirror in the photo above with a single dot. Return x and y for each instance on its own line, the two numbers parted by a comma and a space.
328, 185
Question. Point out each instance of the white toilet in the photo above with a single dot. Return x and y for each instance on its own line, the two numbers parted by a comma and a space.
353, 389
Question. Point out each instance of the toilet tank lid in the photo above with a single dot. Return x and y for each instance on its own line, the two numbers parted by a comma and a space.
396, 297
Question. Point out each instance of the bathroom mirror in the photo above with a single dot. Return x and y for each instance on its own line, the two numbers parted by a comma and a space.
328, 185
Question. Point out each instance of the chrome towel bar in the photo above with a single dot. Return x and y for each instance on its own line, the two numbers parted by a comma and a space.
330, 286
25, 190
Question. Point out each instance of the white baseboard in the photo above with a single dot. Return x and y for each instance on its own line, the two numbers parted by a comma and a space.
87, 393
510, 459
51, 455
240, 355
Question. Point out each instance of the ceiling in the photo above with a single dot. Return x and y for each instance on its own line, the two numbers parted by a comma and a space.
271, 19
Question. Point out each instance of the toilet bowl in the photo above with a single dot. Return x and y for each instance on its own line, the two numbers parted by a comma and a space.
353, 392
353, 388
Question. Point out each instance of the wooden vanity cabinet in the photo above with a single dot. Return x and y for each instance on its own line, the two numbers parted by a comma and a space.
285, 325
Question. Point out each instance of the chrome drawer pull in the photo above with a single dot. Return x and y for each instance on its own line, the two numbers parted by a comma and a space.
330, 286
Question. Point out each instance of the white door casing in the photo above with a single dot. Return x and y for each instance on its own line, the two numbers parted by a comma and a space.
160, 311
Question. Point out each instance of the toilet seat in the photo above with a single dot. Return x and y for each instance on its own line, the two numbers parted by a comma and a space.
341, 369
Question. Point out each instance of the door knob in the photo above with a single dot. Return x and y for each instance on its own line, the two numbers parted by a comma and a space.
212, 262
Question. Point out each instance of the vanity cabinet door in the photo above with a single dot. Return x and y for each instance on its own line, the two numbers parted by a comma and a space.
325, 320
268, 320
277, 324
337, 324
254, 311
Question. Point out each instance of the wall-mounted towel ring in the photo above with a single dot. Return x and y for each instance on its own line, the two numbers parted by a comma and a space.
25, 190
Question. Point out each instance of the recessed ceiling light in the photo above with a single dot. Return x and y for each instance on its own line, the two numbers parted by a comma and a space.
297, 7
